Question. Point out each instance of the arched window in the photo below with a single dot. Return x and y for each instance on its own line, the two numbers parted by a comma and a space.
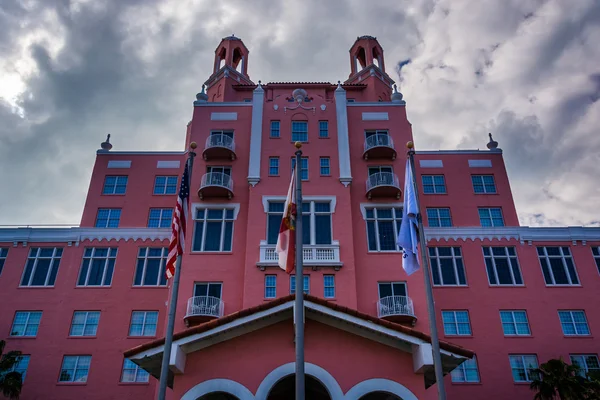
238, 59
221, 58
361, 56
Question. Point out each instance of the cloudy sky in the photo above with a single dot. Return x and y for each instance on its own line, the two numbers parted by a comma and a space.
526, 70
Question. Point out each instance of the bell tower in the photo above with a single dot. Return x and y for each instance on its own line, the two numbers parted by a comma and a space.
367, 67
230, 68
365, 51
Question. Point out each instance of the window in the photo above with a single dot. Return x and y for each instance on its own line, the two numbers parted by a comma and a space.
217, 136
391, 289
143, 323
378, 138
42, 266
303, 168
491, 217
150, 269
275, 133
456, 323
466, 372
433, 184
133, 373
108, 218
75, 369
447, 266
437, 217
20, 366
97, 266
274, 217
595, 252
383, 225
350, 100
26, 323
160, 217
316, 222
306, 284
165, 185
329, 286
270, 286
213, 229
325, 169
115, 185
586, 362
574, 323
483, 183
274, 166
557, 266
515, 323
85, 323
299, 131
502, 266
522, 367
3, 254
212, 289
323, 129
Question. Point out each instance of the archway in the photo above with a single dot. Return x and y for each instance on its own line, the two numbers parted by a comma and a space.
285, 389
380, 396
218, 396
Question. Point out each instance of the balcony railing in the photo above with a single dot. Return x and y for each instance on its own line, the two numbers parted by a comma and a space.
323, 255
216, 184
382, 184
204, 306
393, 306
219, 145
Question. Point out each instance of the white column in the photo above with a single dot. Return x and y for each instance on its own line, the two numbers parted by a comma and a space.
258, 98
343, 140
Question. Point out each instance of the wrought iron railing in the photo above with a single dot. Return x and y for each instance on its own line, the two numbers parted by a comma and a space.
217, 179
220, 140
382, 179
395, 305
379, 140
205, 306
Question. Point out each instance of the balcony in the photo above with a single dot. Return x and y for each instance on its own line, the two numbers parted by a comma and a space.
383, 184
396, 309
203, 308
219, 146
318, 255
379, 146
216, 184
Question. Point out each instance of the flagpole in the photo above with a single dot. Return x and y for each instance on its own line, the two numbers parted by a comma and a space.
164, 369
435, 344
299, 305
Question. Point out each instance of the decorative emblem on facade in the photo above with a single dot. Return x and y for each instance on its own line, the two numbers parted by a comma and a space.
299, 95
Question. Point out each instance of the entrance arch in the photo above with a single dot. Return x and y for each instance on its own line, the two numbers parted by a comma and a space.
380, 396
212, 389
285, 389
218, 396
374, 389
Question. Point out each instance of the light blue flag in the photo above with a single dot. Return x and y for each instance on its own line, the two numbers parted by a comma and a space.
408, 238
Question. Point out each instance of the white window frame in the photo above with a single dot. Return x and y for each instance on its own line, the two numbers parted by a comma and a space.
454, 265
110, 217
305, 284
208, 285
321, 130
104, 268
3, 256
435, 191
145, 312
438, 217
136, 370
224, 220
299, 132
276, 160
164, 188
480, 177
455, 322
527, 370
396, 216
225, 132
145, 257
75, 370
572, 322
509, 259
595, 254
488, 211
328, 166
582, 363
270, 285
514, 322
85, 323
55, 260
166, 214
26, 325
114, 187
278, 130
469, 364
328, 285
563, 258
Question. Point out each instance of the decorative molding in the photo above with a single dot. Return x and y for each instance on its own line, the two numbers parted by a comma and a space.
228, 386
364, 206
168, 164
379, 385
341, 113
331, 199
195, 206
119, 164
376, 104
77, 235
142, 153
222, 104
375, 116
346, 181
253, 181
258, 101
431, 164
223, 116
458, 152
480, 163
522, 234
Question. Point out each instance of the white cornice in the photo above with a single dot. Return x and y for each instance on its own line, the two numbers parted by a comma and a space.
522, 234
375, 104
140, 153
436, 152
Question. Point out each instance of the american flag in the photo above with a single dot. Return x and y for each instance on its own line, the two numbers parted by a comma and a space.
180, 214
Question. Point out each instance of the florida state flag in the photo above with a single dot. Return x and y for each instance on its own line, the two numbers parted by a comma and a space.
286, 241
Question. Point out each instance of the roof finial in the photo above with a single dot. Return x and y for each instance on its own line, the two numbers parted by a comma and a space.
106, 146
396, 96
492, 144
202, 96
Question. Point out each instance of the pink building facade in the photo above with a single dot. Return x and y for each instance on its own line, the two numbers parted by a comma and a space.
87, 305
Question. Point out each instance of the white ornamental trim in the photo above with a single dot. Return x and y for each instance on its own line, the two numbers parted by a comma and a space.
522, 234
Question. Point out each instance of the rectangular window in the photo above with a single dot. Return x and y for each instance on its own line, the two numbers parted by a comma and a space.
299, 131
108, 218
270, 286
383, 225
3, 254
433, 184
378, 138
316, 220
323, 129
273, 166
466, 372
515, 323
274, 217
329, 286
165, 185
483, 183
143, 323
75, 369
208, 289
456, 323
26, 323
133, 373
275, 133
391, 289
150, 268
97, 266
447, 266
303, 168
306, 284
586, 362
20, 366
595, 252
217, 136
115, 185
574, 323
160, 217
439, 217
213, 229
84, 323
491, 217
522, 367
42, 266
557, 266
502, 266
325, 168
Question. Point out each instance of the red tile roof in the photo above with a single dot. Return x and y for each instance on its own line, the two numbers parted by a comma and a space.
271, 304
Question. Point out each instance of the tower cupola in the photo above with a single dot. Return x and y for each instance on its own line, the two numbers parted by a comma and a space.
365, 51
233, 53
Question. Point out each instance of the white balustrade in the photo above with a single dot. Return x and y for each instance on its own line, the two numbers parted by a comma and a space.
220, 140
395, 305
204, 306
382, 179
379, 140
318, 254
217, 179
